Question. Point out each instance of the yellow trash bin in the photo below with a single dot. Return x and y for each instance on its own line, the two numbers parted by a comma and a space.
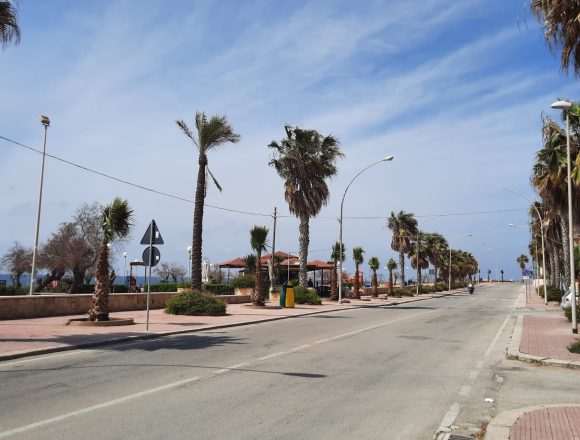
289, 297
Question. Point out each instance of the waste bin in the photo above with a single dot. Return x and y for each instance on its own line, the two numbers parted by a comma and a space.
289, 303
283, 296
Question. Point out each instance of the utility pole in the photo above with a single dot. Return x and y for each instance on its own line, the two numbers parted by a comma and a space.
273, 249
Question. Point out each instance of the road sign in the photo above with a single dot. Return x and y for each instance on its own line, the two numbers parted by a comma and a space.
525, 277
157, 239
154, 253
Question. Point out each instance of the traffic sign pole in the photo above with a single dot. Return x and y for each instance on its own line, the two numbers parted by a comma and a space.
151, 227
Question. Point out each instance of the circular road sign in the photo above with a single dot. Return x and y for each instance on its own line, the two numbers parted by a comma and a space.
154, 253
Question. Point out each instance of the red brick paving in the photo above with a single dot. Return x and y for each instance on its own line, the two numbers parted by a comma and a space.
549, 337
536, 301
561, 423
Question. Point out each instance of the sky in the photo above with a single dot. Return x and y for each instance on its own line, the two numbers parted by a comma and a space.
454, 90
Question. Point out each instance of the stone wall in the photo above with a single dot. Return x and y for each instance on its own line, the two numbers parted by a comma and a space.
39, 306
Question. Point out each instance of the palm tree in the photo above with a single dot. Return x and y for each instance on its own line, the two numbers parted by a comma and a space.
437, 251
304, 160
501, 271
249, 263
210, 134
488, 275
419, 248
561, 30
335, 256
404, 226
374, 265
391, 266
9, 30
258, 241
522, 260
357, 256
116, 221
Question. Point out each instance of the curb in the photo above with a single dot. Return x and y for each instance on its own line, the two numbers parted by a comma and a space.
146, 336
513, 351
499, 427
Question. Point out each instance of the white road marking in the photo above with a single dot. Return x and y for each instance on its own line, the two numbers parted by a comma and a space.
498, 334
273, 355
301, 347
321, 341
449, 418
235, 367
79, 412
42, 358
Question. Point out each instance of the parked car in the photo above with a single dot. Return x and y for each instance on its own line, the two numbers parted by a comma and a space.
566, 303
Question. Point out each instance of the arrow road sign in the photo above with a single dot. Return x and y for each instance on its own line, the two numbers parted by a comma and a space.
154, 253
157, 239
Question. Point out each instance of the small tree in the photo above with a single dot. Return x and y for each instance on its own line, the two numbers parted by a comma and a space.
162, 272
18, 260
258, 241
335, 256
177, 271
374, 265
391, 266
116, 221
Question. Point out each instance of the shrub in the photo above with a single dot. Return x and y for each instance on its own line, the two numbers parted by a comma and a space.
11, 290
219, 289
554, 293
184, 285
404, 291
195, 303
162, 287
244, 282
304, 296
426, 289
568, 313
574, 347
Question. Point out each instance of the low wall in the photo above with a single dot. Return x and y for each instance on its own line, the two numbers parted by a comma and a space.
39, 306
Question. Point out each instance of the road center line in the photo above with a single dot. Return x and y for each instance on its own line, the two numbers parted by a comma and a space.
98, 406
273, 355
498, 334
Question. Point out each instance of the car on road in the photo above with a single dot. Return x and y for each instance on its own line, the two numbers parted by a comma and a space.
566, 303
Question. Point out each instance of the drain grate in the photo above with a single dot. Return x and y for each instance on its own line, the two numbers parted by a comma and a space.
459, 437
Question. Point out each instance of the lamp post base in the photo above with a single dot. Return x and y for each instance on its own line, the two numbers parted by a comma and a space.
344, 301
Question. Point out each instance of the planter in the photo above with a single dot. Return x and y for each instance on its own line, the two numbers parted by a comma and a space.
112, 322
184, 290
245, 291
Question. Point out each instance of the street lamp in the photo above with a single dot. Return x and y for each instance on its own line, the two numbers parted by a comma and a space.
46, 123
532, 204
565, 106
188, 249
339, 267
125, 267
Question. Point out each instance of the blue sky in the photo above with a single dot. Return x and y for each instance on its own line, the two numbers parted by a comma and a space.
455, 90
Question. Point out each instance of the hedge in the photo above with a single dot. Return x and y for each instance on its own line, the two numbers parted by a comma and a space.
304, 296
219, 289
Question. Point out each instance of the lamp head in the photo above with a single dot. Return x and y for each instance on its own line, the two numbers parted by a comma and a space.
561, 105
44, 120
388, 158
188, 249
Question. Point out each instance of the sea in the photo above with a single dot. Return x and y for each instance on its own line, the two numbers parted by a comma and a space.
25, 280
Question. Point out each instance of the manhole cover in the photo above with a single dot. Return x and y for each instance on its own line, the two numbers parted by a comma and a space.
459, 437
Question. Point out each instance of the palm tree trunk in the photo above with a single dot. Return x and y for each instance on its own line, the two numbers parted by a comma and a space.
356, 286
198, 224
565, 249
258, 299
100, 302
391, 287
375, 283
333, 285
304, 241
552, 261
402, 266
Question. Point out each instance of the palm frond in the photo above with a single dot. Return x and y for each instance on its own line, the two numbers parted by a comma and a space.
9, 29
214, 179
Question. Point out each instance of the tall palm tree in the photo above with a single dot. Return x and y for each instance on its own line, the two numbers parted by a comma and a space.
9, 29
561, 29
374, 265
357, 256
335, 256
404, 226
258, 241
304, 160
116, 221
437, 251
420, 249
211, 133
522, 261
391, 266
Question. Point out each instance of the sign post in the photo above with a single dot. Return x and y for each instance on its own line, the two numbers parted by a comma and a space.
151, 257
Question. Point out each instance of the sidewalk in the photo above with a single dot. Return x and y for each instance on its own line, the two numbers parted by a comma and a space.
542, 339
28, 337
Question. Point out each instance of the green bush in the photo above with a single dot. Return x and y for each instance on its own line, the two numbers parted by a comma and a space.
404, 291
304, 296
11, 290
554, 294
244, 282
184, 285
162, 287
574, 347
426, 289
195, 303
219, 289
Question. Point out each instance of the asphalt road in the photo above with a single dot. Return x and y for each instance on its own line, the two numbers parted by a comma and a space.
372, 373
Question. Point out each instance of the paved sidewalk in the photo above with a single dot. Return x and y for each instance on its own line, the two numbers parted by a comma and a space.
543, 339
27, 337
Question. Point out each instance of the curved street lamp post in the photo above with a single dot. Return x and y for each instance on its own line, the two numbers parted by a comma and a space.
339, 267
